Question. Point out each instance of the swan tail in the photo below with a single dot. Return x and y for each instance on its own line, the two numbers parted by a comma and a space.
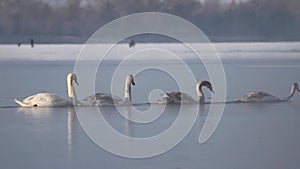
22, 104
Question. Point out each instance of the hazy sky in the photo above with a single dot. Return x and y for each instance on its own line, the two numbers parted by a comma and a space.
230, 0
61, 1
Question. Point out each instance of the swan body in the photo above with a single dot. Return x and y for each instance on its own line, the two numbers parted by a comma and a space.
183, 98
262, 97
176, 98
50, 99
44, 100
103, 99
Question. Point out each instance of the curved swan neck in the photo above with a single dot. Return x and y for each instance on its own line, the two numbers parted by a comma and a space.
293, 90
127, 90
199, 89
71, 90
200, 93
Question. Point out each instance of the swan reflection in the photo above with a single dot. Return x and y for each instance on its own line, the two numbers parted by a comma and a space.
35, 112
70, 121
128, 125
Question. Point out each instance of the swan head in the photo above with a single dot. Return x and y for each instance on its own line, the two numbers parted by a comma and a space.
130, 80
296, 86
205, 83
72, 77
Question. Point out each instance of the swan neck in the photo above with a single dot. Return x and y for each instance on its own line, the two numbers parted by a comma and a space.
200, 94
201, 99
199, 90
127, 96
71, 90
293, 90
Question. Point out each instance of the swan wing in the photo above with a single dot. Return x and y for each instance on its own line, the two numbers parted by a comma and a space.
22, 104
103, 99
259, 97
169, 98
44, 100
176, 98
185, 98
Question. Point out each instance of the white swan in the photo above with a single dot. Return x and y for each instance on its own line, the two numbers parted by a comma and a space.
103, 99
180, 97
50, 99
262, 97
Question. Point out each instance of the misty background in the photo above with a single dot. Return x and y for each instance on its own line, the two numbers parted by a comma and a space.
74, 21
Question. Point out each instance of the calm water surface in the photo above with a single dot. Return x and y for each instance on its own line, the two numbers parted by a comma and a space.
249, 135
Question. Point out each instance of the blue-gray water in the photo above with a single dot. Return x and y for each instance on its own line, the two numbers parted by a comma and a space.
249, 135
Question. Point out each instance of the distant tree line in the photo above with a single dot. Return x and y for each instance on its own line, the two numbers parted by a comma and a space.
76, 20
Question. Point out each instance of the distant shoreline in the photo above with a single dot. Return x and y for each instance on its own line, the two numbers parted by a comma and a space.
225, 50
139, 39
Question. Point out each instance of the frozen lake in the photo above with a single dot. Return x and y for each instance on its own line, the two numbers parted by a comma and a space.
249, 135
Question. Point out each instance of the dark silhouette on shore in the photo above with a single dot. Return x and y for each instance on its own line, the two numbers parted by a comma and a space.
32, 42
131, 43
